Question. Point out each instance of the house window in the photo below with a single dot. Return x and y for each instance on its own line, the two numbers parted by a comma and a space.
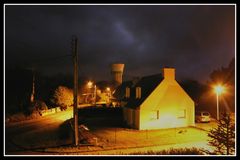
127, 92
182, 113
154, 115
157, 114
138, 92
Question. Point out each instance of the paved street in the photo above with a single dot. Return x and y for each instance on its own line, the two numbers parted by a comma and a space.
37, 133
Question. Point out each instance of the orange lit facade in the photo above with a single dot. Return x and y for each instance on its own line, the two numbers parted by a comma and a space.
157, 101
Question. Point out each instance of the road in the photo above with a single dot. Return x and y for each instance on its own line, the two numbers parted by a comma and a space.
49, 132
37, 133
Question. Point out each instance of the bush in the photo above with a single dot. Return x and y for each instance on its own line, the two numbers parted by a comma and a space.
16, 117
21, 116
40, 105
63, 97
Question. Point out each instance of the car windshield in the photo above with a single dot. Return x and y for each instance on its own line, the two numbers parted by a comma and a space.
205, 113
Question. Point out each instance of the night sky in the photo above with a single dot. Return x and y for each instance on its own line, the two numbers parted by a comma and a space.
194, 39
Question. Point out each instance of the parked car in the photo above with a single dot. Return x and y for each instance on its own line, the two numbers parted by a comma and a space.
202, 116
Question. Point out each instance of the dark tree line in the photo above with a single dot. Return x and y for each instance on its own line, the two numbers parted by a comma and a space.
18, 88
203, 95
194, 89
224, 74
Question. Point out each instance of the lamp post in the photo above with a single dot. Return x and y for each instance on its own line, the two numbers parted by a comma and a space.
108, 94
95, 94
90, 85
218, 90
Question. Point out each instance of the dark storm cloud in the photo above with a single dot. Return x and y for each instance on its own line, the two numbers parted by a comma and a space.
194, 39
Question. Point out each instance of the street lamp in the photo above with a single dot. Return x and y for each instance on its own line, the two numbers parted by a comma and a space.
108, 89
95, 94
90, 85
218, 90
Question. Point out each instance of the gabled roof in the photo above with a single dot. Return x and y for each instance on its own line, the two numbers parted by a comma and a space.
120, 91
147, 84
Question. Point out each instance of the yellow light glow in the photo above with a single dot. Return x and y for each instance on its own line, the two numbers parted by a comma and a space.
89, 84
219, 89
108, 89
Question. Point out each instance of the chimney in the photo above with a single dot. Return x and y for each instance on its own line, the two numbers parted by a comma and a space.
169, 73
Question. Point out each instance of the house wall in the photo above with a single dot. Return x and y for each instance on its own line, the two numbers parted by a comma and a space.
137, 118
131, 117
170, 100
125, 114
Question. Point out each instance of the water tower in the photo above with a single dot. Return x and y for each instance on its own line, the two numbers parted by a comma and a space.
117, 72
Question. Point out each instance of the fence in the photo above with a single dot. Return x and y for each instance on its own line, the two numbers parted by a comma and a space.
50, 111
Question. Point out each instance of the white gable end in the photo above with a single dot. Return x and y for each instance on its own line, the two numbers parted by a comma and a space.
170, 103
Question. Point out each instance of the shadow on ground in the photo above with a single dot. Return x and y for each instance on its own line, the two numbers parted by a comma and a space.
65, 130
95, 118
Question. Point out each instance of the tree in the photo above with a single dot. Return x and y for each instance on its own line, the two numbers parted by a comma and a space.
40, 105
226, 75
63, 97
18, 87
223, 137
194, 89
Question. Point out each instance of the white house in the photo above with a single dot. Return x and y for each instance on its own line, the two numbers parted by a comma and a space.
157, 102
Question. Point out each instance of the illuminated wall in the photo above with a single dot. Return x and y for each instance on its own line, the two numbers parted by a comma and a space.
168, 106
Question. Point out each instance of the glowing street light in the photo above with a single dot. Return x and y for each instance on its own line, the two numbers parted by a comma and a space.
95, 94
109, 94
108, 89
218, 90
90, 84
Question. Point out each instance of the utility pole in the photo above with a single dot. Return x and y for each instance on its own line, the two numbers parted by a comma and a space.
33, 89
75, 99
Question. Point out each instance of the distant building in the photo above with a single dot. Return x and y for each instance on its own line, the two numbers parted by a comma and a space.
117, 73
155, 102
